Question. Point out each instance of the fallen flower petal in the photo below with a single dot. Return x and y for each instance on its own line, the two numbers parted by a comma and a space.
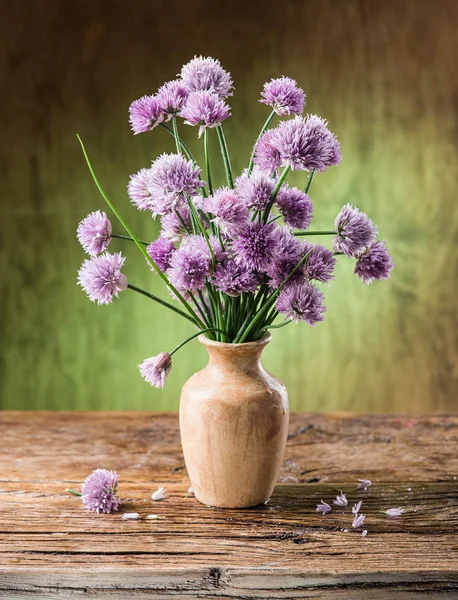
364, 484
356, 507
393, 512
190, 491
130, 516
364, 533
358, 521
323, 507
160, 494
154, 517
341, 500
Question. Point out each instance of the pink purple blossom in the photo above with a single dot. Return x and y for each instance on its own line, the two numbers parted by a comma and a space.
256, 245
138, 189
341, 500
363, 484
319, 264
295, 207
206, 74
205, 109
172, 179
358, 521
94, 233
356, 507
394, 512
255, 190
301, 301
306, 144
227, 210
189, 269
267, 157
155, 370
198, 243
171, 98
233, 279
176, 224
289, 252
99, 491
323, 507
101, 277
374, 263
284, 96
354, 231
145, 114
161, 251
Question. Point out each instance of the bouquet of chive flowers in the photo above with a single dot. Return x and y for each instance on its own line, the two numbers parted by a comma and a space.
232, 254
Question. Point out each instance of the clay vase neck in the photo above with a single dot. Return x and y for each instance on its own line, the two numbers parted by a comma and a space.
234, 424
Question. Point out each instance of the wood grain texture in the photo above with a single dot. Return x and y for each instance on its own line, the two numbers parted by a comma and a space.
50, 547
382, 71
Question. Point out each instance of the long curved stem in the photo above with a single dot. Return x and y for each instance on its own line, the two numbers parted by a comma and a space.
261, 133
160, 301
127, 237
175, 135
309, 181
225, 155
282, 178
186, 150
207, 161
194, 336
300, 233
136, 240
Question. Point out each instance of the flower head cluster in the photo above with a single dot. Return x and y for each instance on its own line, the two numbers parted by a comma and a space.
156, 369
161, 252
190, 266
171, 97
226, 210
267, 156
206, 75
295, 207
301, 301
255, 189
284, 96
205, 109
354, 231
94, 233
319, 264
374, 263
256, 245
99, 491
138, 189
145, 114
101, 277
234, 279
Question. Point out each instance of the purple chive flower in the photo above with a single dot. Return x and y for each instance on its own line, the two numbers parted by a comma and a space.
358, 521
189, 268
205, 109
284, 96
94, 233
138, 189
155, 370
319, 264
295, 207
227, 210
374, 263
234, 279
176, 224
199, 244
289, 252
341, 500
323, 507
256, 189
171, 98
364, 484
356, 507
301, 301
145, 114
207, 75
172, 178
99, 491
354, 231
161, 252
394, 512
266, 156
101, 277
306, 144
256, 245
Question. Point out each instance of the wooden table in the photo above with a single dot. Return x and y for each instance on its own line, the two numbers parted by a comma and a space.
50, 547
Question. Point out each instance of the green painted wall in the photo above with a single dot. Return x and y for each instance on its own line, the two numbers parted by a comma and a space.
383, 72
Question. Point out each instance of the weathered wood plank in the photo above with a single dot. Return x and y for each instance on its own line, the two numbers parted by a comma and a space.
51, 547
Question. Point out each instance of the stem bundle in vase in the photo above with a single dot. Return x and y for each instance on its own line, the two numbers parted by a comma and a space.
232, 256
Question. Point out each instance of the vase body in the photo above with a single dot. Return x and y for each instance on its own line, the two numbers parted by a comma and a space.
234, 425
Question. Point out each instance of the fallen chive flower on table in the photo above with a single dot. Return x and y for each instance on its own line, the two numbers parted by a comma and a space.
231, 253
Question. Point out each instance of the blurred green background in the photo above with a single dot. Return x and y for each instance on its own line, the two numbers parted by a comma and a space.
383, 72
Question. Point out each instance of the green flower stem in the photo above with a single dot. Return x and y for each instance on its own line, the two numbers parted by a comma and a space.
160, 301
175, 135
270, 301
182, 144
204, 232
264, 127
309, 181
299, 233
136, 240
201, 332
127, 237
283, 324
207, 161
274, 219
225, 155
282, 178
74, 492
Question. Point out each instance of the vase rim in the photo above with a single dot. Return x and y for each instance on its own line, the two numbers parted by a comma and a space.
256, 344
